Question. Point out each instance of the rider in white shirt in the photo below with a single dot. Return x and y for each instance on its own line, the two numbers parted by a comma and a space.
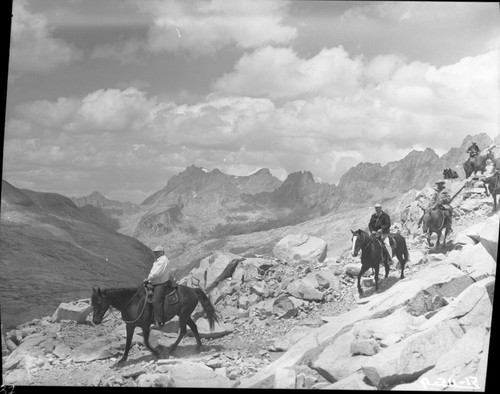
159, 277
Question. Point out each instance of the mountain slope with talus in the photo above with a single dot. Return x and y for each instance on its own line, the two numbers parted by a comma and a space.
52, 249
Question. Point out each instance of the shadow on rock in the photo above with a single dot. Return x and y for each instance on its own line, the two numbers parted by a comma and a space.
442, 248
383, 285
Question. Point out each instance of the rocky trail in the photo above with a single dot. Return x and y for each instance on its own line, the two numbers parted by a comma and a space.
294, 320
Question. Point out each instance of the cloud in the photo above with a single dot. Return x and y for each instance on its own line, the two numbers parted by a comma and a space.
33, 48
204, 27
111, 137
281, 73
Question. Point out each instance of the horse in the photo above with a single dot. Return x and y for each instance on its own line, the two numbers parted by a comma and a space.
373, 253
448, 173
478, 163
137, 311
433, 221
493, 185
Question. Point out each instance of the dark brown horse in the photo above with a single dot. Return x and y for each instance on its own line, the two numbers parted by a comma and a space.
448, 173
433, 221
373, 253
138, 312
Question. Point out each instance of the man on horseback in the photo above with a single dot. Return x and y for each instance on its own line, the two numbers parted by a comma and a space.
379, 226
473, 150
441, 200
159, 277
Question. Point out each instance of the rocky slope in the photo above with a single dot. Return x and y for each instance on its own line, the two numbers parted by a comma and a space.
293, 319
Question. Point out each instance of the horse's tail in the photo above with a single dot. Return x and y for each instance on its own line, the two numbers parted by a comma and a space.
208, 308
406, 254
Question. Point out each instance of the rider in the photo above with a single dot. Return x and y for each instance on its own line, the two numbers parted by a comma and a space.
473, 149
159, 276
441, 199
379, 226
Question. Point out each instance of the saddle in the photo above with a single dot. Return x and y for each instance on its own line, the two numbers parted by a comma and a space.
171, 297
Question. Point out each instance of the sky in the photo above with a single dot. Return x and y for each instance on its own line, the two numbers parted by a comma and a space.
118, 96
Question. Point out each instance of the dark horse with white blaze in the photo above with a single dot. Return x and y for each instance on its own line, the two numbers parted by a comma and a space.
373, 253
137, 311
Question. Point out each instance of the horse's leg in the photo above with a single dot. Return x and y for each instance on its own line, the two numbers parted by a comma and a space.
364, 268
130, 332
438, 237
192, 326
146, 330
402, 262
182, 324
386, 265
377, 268
429, 235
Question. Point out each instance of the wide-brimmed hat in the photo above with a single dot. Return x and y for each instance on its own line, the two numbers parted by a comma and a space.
378, 205
441, 182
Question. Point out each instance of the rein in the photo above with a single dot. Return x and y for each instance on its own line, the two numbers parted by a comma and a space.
127, 304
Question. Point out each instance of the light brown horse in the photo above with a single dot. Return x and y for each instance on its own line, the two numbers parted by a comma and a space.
478, 163
433, 221
492, 184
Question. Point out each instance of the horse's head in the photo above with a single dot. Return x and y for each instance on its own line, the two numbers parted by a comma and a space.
357, 241
99, 305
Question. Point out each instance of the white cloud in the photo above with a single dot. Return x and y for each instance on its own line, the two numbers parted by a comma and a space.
33, 48
203, 27
280, 73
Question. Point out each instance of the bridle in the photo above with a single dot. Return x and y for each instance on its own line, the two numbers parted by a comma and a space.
110, 308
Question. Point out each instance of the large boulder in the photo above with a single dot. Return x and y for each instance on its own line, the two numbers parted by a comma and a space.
413, 356
305, 290
76, 311
297, 247
473, 306
486, 233
475, 261
212, 270
461, 365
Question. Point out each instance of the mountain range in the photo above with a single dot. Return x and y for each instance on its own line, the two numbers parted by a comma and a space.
200, 204
53, 245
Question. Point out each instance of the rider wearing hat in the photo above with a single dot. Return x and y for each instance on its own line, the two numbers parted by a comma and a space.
159, 277
441, 199
473, 149
379, 226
